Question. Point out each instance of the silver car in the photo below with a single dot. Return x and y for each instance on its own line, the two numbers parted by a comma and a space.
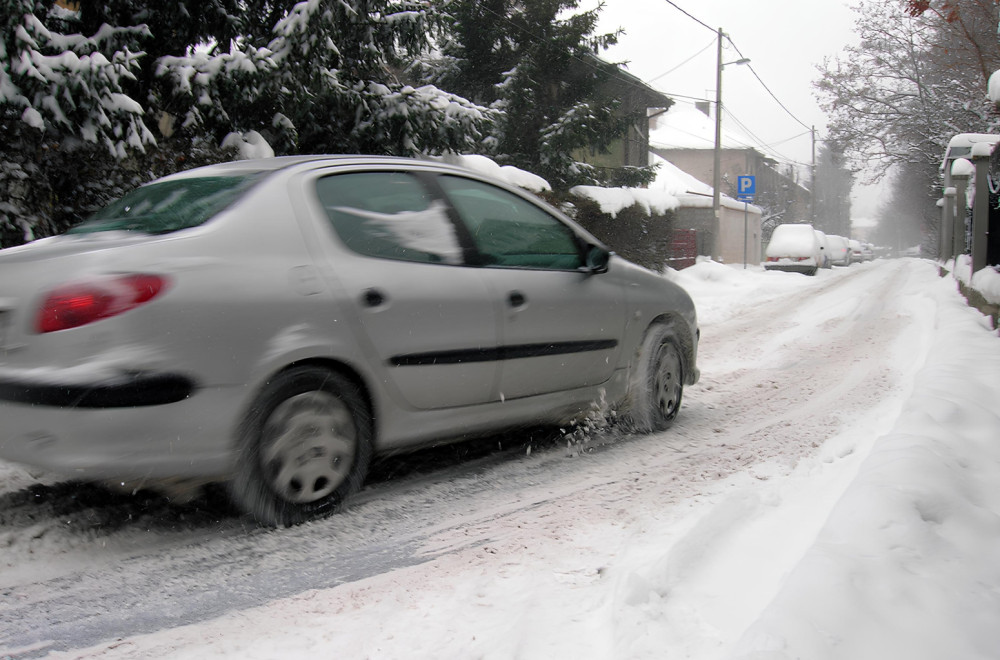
274, 323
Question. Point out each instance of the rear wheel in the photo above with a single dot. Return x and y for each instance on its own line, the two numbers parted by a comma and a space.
305, 447
658, 383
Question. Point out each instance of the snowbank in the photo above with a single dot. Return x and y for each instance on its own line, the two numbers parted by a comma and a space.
906, 566
985, 281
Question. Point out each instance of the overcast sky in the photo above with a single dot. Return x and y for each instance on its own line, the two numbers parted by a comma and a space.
785, 40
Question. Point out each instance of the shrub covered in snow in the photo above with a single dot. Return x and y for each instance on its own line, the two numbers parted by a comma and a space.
96, 101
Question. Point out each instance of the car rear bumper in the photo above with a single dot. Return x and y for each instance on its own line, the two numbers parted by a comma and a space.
192, 437
808, 269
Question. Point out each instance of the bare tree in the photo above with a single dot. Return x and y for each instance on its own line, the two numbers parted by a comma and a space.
910, 83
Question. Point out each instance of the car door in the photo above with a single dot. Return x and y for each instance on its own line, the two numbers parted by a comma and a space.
561, 327
427, 319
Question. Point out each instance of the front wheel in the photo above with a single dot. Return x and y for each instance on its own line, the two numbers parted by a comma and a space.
304, 447
658, 382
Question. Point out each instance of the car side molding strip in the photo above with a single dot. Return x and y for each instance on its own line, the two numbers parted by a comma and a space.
499, 353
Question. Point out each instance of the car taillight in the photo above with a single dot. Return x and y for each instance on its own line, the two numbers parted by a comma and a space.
80, 303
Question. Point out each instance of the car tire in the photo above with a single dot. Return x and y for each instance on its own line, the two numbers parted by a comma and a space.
304, 447
658, 382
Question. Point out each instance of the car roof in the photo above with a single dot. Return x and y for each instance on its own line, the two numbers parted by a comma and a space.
266, 165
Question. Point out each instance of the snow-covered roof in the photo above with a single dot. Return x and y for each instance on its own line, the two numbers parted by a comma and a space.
676, 181
684, 127
961, 145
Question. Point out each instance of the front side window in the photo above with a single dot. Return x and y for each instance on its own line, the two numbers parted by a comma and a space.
389, 215
509, 231
168, 206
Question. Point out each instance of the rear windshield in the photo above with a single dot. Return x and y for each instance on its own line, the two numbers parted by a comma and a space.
161, 208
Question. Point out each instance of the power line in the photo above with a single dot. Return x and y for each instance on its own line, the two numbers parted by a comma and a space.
760, 142
700, 22
768, 89
647, 84
742, 56
540, 39
668, 72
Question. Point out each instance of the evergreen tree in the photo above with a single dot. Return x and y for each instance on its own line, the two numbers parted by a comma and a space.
831, 190
536, 63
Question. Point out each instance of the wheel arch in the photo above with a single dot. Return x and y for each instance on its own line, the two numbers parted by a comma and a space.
335, 365
344, 369
687, 340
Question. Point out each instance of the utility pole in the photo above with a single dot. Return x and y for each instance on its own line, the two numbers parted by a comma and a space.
812, 182
717, 157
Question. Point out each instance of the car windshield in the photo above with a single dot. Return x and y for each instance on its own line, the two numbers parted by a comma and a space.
168, 206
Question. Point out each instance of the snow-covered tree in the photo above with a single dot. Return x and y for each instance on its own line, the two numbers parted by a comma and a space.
137, 90
69, 85
917, 77
536, 62
908, 85
62, 92
334, 71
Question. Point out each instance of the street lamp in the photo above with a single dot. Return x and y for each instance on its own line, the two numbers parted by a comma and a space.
717, 156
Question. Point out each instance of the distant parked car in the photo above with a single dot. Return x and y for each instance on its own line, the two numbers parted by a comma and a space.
840, 250
826, 263
275, 323
867, 251
794, 248
857, 254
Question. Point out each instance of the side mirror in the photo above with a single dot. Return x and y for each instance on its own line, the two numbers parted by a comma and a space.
597, 260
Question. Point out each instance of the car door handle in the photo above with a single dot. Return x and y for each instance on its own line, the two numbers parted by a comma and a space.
516, 299
373, 298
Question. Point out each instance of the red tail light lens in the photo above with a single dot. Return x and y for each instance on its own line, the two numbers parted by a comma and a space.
73, 305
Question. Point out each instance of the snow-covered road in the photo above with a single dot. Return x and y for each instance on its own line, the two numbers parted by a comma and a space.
685, 544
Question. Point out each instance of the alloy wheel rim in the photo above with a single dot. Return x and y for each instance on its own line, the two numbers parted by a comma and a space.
307, 446
667, 385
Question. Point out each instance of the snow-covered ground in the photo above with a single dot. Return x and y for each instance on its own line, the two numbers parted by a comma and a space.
829, 491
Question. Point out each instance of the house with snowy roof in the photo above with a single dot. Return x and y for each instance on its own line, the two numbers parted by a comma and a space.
685, 136
636, 98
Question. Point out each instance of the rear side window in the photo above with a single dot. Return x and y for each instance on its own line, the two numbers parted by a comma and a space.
510, 232
389, 215
168, 206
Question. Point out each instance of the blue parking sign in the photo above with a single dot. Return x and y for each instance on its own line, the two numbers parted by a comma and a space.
746, 188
